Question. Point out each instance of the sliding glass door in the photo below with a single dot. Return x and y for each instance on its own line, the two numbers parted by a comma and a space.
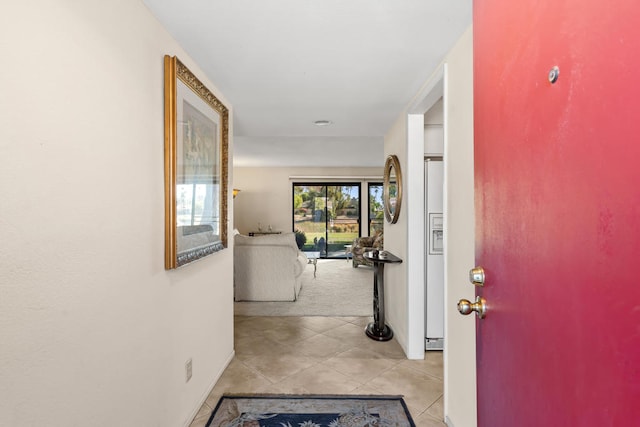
376, 208
343, 217
309, 216
327, 215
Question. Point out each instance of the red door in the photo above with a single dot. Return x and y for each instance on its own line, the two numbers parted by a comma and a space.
558, 211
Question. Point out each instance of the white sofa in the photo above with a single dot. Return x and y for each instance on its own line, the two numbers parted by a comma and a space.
267, 268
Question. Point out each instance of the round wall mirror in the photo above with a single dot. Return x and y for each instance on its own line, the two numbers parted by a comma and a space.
392, 196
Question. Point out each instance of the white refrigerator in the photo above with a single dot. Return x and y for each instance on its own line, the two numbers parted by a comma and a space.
434, 258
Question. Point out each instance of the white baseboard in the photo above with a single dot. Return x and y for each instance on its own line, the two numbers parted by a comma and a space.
203, 398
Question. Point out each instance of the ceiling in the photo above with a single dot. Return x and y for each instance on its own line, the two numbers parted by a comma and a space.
284, 64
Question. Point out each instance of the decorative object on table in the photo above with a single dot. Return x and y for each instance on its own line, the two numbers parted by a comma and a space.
196, 128
378, 330
366, 244
320, 245
267, 268
310, 410
392, 189
263, 233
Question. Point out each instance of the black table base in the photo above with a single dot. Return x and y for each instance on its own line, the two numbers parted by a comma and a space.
374, 333
378, 330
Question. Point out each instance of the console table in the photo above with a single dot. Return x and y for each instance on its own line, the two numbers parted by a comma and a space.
312, 258
377, 330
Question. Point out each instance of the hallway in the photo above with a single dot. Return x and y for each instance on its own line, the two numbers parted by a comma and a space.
327, 355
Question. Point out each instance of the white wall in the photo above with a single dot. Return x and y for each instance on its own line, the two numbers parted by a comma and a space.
266, 197
460, 355
395, 239
93, 330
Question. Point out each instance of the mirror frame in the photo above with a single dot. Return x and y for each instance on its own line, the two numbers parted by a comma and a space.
392, 162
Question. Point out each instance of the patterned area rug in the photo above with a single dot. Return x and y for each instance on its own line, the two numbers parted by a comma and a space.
310, 411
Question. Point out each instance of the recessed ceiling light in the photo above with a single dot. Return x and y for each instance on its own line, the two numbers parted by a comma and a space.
323, 122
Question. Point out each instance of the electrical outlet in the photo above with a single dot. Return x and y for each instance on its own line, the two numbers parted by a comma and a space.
188, 368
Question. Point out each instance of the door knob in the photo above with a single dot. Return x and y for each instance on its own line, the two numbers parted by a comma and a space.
476, 276
480, 307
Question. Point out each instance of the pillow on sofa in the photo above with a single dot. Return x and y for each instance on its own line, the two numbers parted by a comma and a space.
378, 242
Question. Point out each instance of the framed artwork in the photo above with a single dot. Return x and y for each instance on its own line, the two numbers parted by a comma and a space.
196, 142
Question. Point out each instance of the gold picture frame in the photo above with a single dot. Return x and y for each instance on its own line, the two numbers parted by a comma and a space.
196, 144
392, 189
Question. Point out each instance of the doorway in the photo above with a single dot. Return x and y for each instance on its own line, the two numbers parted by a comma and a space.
453, 82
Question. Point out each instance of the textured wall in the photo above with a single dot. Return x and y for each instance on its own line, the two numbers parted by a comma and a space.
395, 239
93, 330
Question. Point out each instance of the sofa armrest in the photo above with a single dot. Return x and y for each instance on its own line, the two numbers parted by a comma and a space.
267, 268
301, 264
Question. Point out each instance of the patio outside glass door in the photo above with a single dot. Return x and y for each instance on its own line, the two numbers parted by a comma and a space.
327, 215
343, 218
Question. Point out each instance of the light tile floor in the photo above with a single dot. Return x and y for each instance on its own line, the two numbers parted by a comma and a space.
327, 355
